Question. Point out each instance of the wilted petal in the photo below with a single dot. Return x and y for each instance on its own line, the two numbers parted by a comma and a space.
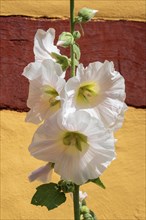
42, 174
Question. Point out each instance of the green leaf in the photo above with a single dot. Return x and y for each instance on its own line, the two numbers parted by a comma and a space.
76, 62
98, 182
77, 51
64, 61
48, 195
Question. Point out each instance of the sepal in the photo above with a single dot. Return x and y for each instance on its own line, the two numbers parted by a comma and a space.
98, 182
66, 186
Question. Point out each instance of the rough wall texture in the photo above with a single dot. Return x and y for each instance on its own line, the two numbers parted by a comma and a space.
108, 9
123, 198
119, 41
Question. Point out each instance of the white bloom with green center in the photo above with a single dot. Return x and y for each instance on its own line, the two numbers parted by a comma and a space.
100, 90
44, 90
43, 49
81, 148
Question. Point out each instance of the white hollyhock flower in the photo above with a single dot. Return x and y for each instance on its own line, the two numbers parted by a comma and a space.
100, 90
44, 44
44, 90
81, 148
43, 174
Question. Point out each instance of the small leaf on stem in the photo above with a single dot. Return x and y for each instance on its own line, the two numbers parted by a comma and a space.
77, 51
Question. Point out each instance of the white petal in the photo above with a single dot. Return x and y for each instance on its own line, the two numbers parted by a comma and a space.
42, 174
31, 71
44, 44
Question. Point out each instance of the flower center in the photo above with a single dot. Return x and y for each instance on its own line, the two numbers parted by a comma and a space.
75, 139
51, 95
87, 93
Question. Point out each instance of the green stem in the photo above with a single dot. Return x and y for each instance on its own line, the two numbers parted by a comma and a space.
72, 30
76, 203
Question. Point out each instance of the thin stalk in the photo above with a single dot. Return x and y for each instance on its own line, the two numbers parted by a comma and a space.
76, 203
72, 54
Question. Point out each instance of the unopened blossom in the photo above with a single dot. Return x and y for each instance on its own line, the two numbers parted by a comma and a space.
82, 195
86, 14
44, 90
81, 147
100, 90
42, 174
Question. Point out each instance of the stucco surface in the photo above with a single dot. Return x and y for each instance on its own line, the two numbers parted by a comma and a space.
123, 199
108, 9
103, 40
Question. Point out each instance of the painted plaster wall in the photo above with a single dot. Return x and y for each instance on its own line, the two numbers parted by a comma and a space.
108, 9
123, 199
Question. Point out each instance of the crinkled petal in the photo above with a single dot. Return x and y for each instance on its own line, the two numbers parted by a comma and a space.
44, 44
106, 100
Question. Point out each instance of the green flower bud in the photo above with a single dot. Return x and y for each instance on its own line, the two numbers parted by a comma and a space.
66, 186
83, 202
86, 14
65, 39
84, 209
76, 35
93, 215
88, 216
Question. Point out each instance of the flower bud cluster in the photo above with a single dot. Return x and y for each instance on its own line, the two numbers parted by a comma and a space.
66, 186
85, 212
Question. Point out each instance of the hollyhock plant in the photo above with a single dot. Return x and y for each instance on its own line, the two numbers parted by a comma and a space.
79, 117
44, 90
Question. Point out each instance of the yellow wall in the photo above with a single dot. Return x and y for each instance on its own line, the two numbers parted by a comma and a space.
108, 9
124, 198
